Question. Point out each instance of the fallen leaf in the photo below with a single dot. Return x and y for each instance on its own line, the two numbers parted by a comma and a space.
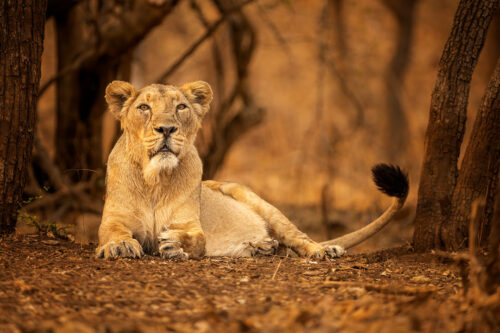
420, 279
50, 242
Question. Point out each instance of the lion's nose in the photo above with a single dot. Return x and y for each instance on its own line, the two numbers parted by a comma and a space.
166, 130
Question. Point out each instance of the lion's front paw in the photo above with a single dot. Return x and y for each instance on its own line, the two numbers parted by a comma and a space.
170, 247
125, 249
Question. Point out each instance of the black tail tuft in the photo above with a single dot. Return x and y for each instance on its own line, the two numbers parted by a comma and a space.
391, 180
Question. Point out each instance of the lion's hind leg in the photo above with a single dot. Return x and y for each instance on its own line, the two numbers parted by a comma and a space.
279, 226
264, 247
334, 251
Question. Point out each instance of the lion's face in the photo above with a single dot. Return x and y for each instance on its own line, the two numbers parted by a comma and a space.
162, 119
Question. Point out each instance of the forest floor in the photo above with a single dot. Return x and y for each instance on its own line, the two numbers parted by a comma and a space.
49, 285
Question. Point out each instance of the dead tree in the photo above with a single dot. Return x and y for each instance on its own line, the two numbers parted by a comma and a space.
95, 39
230, 124
21, 36
446, 125
397, 125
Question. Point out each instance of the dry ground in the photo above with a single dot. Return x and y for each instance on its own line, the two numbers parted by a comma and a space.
49, 285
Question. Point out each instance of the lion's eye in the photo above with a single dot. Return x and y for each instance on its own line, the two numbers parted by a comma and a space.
181, 106
144, 107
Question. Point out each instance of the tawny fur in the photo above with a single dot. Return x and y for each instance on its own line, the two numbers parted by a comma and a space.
153, 199
156, 202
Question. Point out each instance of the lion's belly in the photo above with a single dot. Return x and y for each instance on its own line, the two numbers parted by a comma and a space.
228, 225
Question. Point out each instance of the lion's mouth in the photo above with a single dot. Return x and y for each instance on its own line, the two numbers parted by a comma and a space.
163, 150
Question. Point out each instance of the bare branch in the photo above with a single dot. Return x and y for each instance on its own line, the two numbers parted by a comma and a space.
228, 126
76, 191
117, 33
348, 92
216, 52
210, 31
60, 7
71, 68
274, 29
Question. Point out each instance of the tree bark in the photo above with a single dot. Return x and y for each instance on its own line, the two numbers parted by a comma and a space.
492, 276
94, 41
478, 174
21, 36
447, 117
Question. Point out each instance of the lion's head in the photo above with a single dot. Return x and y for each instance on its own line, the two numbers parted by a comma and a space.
161, 121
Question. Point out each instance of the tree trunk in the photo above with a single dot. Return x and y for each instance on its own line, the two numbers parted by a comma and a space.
478, 174
492, 277
447, 117
21, 36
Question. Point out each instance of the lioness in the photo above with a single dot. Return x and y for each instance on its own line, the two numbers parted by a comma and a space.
156, 202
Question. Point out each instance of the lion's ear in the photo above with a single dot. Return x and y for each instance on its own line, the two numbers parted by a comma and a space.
198, 92
117, 93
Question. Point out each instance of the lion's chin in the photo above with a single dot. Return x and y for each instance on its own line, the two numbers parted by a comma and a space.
162, 163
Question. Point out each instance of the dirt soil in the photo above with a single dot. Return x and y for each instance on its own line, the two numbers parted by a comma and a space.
49, 285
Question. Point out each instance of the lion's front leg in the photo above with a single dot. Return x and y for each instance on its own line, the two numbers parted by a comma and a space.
115, 240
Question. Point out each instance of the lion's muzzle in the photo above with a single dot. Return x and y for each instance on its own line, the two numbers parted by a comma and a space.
166, 130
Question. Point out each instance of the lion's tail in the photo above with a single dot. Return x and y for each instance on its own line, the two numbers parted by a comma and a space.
391, 181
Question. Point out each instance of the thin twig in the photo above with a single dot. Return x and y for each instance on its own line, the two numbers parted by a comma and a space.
216, 54
348, 92
276, 271
274, 29
384, 289
200, 41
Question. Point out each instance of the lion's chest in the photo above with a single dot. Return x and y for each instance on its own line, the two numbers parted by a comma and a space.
153, 213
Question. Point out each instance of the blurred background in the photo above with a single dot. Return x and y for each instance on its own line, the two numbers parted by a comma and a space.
309, 94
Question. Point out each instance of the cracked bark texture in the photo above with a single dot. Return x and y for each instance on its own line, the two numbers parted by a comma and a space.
21, 39
447, 118
478, 173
